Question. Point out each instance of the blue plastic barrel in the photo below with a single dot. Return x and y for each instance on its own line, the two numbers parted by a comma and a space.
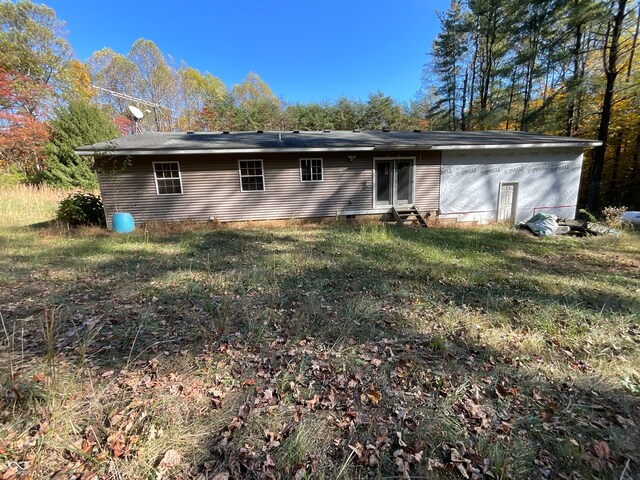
122, 222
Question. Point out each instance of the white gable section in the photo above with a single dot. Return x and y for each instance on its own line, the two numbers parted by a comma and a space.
547, 181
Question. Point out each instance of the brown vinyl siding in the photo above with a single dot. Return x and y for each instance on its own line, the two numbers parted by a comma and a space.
427, 182
211, 187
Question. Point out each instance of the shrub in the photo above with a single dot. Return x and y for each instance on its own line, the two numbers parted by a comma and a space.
612, 216
82, 209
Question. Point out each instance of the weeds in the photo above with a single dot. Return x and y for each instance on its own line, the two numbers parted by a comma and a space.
48, 325
612, 216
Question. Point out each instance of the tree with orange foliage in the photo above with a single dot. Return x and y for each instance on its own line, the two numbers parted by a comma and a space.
22, 127
34, 56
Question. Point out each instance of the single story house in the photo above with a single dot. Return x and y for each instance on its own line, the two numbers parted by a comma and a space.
229, 176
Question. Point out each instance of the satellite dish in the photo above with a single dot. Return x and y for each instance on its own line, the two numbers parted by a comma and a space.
135, 112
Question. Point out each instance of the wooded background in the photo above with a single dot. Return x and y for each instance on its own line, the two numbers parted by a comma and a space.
564, 67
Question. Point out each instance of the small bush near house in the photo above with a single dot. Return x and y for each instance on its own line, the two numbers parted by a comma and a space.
82, 209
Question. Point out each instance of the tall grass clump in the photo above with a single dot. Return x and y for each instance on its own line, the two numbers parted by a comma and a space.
374, 232
22, 205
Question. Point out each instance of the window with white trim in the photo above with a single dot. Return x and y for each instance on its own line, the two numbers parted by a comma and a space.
311, 169
251, 175
168, 178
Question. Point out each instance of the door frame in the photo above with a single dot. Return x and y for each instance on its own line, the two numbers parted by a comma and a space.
394, 187
514, 201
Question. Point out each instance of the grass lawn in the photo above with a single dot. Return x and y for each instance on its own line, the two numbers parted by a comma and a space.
315, 352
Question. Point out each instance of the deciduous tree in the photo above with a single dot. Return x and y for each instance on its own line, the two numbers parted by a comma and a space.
32, 42
22, 127
155, 81
196, 92
258, 107
77, 81
143, 73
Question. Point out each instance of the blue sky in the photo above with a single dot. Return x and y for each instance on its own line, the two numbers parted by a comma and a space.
305, 51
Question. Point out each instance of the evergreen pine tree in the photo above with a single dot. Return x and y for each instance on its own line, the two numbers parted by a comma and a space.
77, 124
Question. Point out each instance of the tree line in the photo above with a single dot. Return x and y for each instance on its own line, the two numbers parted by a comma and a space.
186, 99
50, 105
566, 67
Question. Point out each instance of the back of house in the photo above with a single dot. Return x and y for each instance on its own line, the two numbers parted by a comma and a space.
224, 176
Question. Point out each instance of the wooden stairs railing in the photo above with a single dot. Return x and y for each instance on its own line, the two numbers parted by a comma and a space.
408, 215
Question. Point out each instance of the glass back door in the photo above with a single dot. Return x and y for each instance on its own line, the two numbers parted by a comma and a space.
404, 182
393, 182
384, 182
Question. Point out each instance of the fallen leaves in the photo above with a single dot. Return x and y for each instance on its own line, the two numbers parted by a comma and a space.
476, 416
503, 391
285, 385
172, 458
374, 395
169, 462
465, 459
221, 476
598, 455
273, 440
404, 459
116, 442
264, 399
358, 450
375, 425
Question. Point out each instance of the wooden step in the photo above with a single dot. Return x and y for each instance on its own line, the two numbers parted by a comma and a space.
408, 216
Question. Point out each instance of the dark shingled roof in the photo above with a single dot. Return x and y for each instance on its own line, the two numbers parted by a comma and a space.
206, 142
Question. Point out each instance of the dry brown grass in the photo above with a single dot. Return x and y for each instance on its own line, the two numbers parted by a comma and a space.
295, 223
22, 205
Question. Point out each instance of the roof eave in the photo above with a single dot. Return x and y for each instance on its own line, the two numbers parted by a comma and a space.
221, 150
520, 145
411, 147
378, 147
